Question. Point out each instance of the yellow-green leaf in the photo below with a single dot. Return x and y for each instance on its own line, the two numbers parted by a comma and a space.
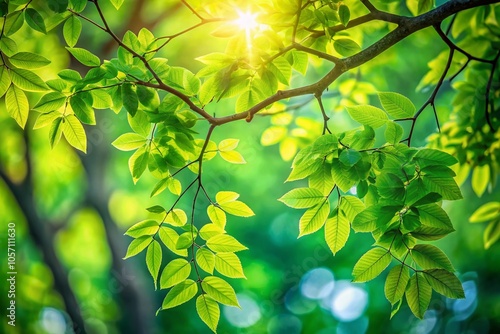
396, 282
237, 208
74, 133
169, 238
153, 259
232, 157
418, 295
337, 230
129, 141
480, 179
228, 145
180, 294
208, 310
224, 243
174, 272
220, 290
371, 264
145, 227
17, 105
217, 216
205, 259
228, 264
138, 245
176, 217
314, 218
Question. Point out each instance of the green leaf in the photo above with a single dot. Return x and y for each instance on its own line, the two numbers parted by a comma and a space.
82, 110
390, 186
129, 141
344, 15
35, 20
130, 98
431, 157
17, 105
232, 157
138, 162
371, 264
176, 217
396, 282
180, 294
156, 209
27, 80
8, 46
205, 259
228, 264
217, 216
4, 80
337, 230
13, 22
170, 238
431, 257
445, 186
208, 310
224, 243
373, 217
28, 60
85, 57
185, 240
223, 197
78, 5
55, 132
210, 230
340, 176
51, 101
491, 233
346, 47
351, 206
486, 212
397, 105
301, 198
368, 115
349, 157
74, 133
237, 208
145, 227
480, 179
314, 218
46, 119
434, 216
138, 245
219, 290
71, 31
175, 272
425, 6
418, 295
444, 283
117, 3
393, 133
153, 259
139, 123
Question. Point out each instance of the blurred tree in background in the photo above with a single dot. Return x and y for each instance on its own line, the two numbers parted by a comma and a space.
304, 75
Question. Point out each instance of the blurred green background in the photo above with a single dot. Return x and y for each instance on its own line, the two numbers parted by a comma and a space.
82, 204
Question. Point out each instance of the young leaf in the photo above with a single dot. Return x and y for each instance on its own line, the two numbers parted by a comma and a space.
210, 230
82, 110
397, 105
85, 57
205, 259
71, 30
217, 216
176, 217
138, 245
4, 80
486, 212
371, 264
138, 163
28, 60
346, 47
237, 208
302, 198
228, 145
418, 295
224, 243
431, 257
228, 264
396, 282
368, 115
232, 157
208, 310
55, 132
444, 283
174, 273
351, 206
27, 80
314, 218
74, 133
129, 141
51, 101
180, 294
153, 259
145, 227
480, 179
220, 290
337, 230
17, 105
170, 238
393, 133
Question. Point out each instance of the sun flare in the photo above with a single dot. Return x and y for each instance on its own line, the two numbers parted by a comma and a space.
247, 21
